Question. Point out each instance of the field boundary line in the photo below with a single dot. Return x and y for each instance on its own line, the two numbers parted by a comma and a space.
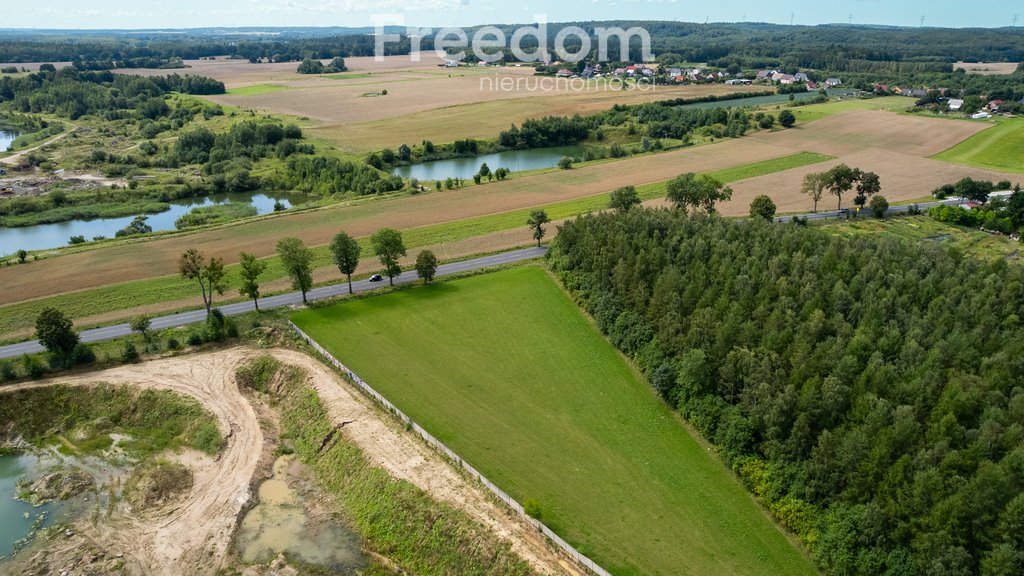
575, 554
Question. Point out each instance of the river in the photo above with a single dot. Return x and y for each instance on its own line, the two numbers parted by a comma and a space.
46, 236
514, 160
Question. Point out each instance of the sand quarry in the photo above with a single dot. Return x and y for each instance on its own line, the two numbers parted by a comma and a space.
192, 535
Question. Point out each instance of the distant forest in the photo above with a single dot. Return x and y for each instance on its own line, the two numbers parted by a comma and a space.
828, 47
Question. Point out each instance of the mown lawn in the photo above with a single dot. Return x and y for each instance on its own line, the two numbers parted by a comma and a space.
507, 372
1000, 147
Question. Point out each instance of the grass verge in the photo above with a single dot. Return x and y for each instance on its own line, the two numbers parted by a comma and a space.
397, 519
538, 401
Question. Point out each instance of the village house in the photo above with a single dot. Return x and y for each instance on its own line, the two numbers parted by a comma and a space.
833, 82
955, 104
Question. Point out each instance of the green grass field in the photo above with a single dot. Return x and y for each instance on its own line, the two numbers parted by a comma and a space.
256, 90
813, 112
507, 372
999, 147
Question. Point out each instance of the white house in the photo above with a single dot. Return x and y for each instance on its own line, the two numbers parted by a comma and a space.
955, 104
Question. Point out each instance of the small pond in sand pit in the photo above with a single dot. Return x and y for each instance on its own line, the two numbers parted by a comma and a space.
280, 523
17, 518
514, 160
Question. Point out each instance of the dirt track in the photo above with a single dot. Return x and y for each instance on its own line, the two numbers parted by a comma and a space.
193, 536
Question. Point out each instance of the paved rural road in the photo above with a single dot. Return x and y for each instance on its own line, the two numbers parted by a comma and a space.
194, 316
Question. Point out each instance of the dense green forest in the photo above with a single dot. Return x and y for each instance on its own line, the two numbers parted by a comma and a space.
870, 391
834, 47
72, 93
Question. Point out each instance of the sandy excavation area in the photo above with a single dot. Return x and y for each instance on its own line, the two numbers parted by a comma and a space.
192, 536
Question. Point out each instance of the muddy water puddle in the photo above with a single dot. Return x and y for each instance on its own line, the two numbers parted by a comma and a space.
281, 523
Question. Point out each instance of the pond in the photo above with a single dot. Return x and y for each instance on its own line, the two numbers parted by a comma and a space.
514, 160
45, 236
7, 135
18, 518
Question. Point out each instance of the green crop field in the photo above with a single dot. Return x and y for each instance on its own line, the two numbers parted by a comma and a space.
507, 371
999, 147
813, 112
256, 90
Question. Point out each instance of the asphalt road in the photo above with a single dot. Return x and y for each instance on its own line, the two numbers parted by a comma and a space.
290, 298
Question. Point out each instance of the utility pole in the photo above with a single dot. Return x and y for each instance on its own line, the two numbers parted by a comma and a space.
922, 21
850, 21
1015, 20
791, 16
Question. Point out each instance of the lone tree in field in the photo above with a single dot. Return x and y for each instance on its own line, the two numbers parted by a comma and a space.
141, 324
814, 186
787, 119
879, 206
426, 265
251, 270
53, 329
209, 275
762, 207
840, 180
690, 190
346, 251
298, 264
537, 220
624, 199
388, 245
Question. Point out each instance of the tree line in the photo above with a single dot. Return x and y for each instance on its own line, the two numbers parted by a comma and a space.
869, 391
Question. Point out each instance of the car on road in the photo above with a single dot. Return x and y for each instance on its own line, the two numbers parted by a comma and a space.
376, 278
844, 212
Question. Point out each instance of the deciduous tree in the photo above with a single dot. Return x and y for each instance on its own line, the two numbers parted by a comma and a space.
426, 265
624, 199
387, 243
536, 222
762, 207
251, 270
298, 263
54, 331
346, 251
209, 275
814, 185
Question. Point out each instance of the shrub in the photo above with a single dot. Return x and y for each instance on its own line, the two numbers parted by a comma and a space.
7, 372
879, 206
195, 339
173, 344
82, 354
32, 367
565, 163
532, 508
129, 353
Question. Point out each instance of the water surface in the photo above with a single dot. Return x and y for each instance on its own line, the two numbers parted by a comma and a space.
514, 160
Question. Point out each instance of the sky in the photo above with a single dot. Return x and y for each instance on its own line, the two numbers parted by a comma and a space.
439, 13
